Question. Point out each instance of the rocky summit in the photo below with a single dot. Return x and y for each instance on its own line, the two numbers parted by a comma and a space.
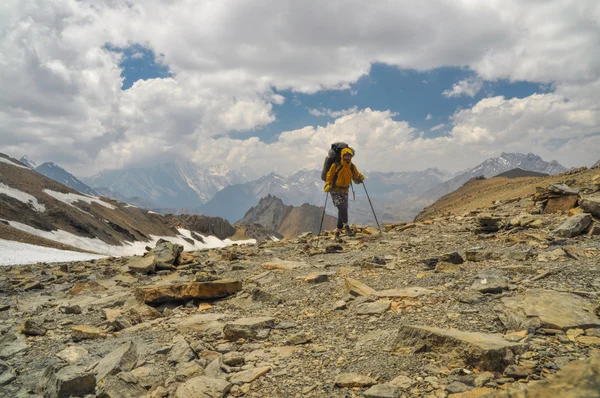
498, 301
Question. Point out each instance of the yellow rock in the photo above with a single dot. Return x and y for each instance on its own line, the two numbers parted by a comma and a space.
87, 332
187, 291
574, 211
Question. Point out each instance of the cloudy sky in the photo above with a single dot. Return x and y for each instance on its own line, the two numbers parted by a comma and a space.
269, 84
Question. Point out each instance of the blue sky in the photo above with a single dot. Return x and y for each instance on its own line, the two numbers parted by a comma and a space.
414, 96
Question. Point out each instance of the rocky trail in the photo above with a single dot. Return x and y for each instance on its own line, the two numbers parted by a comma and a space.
498, 302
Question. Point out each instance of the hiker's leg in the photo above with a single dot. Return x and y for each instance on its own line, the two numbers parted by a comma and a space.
342, 214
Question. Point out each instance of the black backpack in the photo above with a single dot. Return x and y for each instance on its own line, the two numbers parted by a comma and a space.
333, 156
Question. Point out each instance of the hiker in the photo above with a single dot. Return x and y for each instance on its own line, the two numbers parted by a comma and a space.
338, 179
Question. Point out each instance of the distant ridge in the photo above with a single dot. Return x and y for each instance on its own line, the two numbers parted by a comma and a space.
518, 173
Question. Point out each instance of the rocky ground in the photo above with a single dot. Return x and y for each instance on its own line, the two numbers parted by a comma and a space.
491, 302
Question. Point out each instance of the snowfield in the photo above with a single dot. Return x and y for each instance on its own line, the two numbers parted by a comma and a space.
13, 253
22, 197
70, 198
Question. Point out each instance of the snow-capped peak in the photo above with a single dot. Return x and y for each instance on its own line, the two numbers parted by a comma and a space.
28, 162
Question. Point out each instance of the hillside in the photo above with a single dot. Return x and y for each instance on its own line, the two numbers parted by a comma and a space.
289, 221
428, 309
518, 172
479, 193
32, 205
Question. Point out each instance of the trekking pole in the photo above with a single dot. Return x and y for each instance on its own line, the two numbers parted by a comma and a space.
374, 215
322, 218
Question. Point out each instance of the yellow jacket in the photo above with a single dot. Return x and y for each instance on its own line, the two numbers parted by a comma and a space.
346, 172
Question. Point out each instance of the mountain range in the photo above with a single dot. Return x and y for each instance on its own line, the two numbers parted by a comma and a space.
177, 184
490, 168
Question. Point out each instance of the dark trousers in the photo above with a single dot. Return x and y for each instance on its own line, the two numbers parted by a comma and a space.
340, 200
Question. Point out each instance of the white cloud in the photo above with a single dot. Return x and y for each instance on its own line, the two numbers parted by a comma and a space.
137, 55
332, 113
61, 98
437, 127
468, 87
428, 117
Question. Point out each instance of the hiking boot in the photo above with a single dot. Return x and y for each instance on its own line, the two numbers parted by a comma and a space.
337, 233
348, 231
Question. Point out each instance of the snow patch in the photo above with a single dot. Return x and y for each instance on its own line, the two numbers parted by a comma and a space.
22, 197
70, 198
126, 248
274, 238
4, 160
14, 253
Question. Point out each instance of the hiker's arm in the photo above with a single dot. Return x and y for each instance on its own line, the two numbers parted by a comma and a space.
356, 176
330, 174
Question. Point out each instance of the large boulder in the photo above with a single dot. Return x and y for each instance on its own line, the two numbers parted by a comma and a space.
166, 252
574, 225
70, 381
591, 204
548, 309
119, 360
187, 291
203, 387
579, 379
482, 350
248, 328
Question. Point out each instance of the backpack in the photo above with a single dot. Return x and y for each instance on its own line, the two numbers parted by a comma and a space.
333, 156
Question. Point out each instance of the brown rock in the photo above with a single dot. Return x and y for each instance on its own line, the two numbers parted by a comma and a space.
82, 287
357, 288
86, 332
187, 291
561, 203
284, 265
351, 380
248, 376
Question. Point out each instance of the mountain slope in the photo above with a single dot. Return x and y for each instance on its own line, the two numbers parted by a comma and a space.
33, 204
289, 221
171, 185
28, 162
57, 173
490, 168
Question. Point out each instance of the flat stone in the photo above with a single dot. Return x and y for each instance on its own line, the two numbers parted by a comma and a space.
591, 204
248, 328
70, 381
562, 203
203, 387
148, 376
298, 339
351, 380
478, 392
378, 307
316, 277
456, 387
574, 225
203, 323
382, 391
122, 359
403, 382
576, 380
446, 268
70, 309
187, 291
248, 376
120, 386
233, 359
87, 332
357, 288
284, 265
187, 370
86, 287
405, 292
7, 374
490, 281
548, 309
517, 372
11, 344
181, 351
482, 350
142, 265
72, 354
515, 337
478, 255
340, 305
589, 340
